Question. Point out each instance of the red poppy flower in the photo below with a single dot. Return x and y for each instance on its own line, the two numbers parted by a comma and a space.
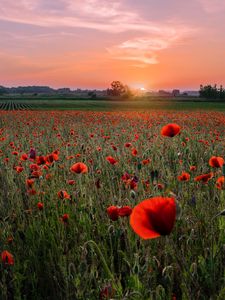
7, 258
220, 183
114, 147
34, 167
134, 152
48, 176
107, 292
125, 211
36, 174
216, 162
113, 213
79, 168
63, 195
184, 176
153, 217
170, 130
204, 177
24, 156
193, 168
111, 160
30, 183
19, 169
146, 161
40, 205
41, 160
127, 145
65, 218
71, 182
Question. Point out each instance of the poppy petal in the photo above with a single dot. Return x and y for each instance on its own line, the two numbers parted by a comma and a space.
154, 217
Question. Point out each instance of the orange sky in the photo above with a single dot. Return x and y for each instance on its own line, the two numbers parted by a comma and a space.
89, 43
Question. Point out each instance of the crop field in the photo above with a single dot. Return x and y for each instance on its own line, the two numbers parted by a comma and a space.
12, 105
139, 104
112, 205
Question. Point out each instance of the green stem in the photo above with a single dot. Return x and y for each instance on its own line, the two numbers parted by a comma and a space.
105, 266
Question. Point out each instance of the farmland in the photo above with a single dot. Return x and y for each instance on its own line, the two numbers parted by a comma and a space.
139, 104
62, 240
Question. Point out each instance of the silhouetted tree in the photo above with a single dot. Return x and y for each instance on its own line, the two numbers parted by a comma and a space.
212, 92
92, 95
3, 90
117, 89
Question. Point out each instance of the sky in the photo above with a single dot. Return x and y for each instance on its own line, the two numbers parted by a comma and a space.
152, 44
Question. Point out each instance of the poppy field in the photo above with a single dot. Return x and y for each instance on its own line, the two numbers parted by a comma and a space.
112, 205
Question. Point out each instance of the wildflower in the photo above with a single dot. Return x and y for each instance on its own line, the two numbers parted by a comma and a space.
65, 218
124, 211
134, 152
111, 160
34, 167
127, 145
36, 174
63, 195
220, 183
30, 183
204, 177
113, 213
7, 258
216, 162
41, 160
107, 292
153, 217
19, 169
184, 176
71, 182
170, 130
146, 161
79, 168
40, 205
24, 156
193, 168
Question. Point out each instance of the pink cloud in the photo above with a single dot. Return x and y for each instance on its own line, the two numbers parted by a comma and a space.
147, 38
144, 50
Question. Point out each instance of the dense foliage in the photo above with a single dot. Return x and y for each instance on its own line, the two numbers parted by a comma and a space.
212, 92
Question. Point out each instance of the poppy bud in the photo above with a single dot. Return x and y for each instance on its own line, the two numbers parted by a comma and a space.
124, 211
65, 218
113, 213
32, 153
40, 205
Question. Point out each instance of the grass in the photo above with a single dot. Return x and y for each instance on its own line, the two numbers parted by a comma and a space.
92, 255
111, 105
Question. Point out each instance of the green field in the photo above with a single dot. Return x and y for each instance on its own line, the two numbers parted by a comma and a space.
109, 105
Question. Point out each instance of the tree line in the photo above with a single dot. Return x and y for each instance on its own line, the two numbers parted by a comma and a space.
212, 92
